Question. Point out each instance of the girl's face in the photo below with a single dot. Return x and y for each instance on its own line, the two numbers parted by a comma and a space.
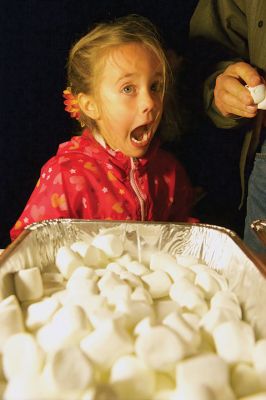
129, 98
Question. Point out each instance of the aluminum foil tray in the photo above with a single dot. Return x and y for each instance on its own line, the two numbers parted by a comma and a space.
220, 248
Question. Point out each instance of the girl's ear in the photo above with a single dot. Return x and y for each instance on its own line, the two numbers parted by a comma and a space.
88, 106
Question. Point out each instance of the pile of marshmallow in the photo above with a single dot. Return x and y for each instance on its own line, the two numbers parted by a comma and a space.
101, 325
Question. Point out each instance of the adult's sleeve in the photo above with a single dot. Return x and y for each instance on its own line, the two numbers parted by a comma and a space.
219, 29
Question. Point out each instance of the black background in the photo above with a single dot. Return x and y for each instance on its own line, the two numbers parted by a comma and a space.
35, 39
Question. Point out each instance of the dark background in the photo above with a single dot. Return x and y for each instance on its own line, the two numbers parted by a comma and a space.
35, 39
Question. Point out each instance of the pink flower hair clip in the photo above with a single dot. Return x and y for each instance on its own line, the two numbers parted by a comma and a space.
71, 103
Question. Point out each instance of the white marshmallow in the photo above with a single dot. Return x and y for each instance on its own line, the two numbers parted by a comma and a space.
37, 314
141, 294
160, 348
245, 380
67, 327
28, 284
100, 392
226, 300
107, 343
85, 273
29, 387
164, 307
110, 244
91, 255
161, 261
234, 341
208, 283
115, 267
11, 319
186, 260
259, 360
67, 261
133, 280
144, 325
194, 391
22, 356
206, 369
135, 311
132, 379
216, 316
190, 336
258, 92
108, 282
137, 268
258, 396
158, 282
188, 296
68, 369
78, 285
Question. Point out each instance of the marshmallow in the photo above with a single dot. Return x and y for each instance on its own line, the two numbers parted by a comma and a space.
164, 307
226, 300
78, 285
234, 341
259, 360
11, 319
28, 284
141, 294
258, 94
115, 267
108, 282
137, 268
165, 262
135, 311
259, 396
29, 387
67, 327
194, 391
132, 379
37, 314
186, 260
188, 296
68, 369
100, 392
216, 316
144, 325
206, 369
67, 261
110, 244
158, 282
22, 356
107, 343
178, 323
160, 348
207, 283
245, 380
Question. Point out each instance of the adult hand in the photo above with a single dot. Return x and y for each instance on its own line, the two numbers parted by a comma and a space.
231, 96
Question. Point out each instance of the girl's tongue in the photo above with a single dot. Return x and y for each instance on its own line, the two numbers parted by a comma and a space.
140, 134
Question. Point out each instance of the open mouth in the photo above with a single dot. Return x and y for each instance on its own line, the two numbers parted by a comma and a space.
141, 134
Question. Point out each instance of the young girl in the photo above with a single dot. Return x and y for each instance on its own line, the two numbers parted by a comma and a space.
118, 80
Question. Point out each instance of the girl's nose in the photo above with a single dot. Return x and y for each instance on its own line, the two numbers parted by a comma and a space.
146, 102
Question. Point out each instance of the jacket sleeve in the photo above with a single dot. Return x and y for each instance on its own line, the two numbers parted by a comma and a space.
221, 27
59, 193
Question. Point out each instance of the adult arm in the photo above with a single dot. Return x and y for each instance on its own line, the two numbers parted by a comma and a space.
223, 26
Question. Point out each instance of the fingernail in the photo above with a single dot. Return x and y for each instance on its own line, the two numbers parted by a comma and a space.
252, 108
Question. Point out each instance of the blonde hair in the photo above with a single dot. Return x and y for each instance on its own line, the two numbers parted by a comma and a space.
87, 56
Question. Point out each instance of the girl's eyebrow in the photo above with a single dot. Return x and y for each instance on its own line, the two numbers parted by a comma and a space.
130, 75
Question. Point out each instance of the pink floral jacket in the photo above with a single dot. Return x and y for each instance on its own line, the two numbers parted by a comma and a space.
88, 181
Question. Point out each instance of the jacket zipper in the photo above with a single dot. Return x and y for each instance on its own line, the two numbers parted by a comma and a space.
136, 189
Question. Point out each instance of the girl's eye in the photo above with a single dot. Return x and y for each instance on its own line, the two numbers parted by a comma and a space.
128, 89
157, 86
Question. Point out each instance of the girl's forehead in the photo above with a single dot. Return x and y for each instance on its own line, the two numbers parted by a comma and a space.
130, 56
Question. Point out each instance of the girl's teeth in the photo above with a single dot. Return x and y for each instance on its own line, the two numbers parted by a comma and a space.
140, 139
